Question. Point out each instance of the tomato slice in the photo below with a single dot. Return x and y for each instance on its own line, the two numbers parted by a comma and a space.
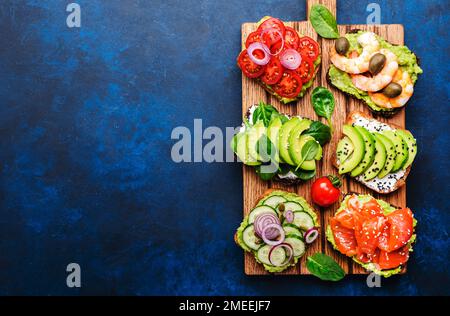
400, 230
290, 85
308, 47
391, 260
273, 72
344, 238
291, 38
253, 38
306, 69
271, 38
248, 67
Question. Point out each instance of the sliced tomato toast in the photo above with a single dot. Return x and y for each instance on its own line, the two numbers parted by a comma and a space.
373, 233
282, 61
278, 230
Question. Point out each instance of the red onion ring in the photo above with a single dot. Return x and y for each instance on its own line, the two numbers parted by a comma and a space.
291, 59
273, 242
279, 34
311, 235
255, 46
264, 219
289, 216
285, 246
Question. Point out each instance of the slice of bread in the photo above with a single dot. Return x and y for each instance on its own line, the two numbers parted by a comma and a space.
382, 189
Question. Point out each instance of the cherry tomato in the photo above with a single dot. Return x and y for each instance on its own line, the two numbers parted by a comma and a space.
306, 69
308, 47
253, 38
325, 191
291, 38
248, 67
273, 72
290, 85
271, 38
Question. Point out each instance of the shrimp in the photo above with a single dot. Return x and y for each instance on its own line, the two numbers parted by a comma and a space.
360, 64
380, 80
403, 79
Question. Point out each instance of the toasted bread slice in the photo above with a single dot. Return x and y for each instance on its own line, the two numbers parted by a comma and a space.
351, 118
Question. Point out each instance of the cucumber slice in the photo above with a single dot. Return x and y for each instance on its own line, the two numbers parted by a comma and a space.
274, 200
250, 239
297, 244
303, 220
293, 206
278, 255
259, 210
291, 229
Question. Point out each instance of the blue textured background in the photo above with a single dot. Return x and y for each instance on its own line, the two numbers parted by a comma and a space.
85, 171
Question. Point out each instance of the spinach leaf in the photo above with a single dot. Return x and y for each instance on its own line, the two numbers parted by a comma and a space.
265, 176
309, 151
264, 112
323, 21
320, 132
324, 267
323, 103
304, 174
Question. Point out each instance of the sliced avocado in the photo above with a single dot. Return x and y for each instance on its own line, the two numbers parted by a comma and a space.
273, 132
379, 160
369, 146
295, 139
283, 146
344, 149
411, 143
254, 134
296, 151
401, 149
359, 149
242, 150
319, 153
390, 155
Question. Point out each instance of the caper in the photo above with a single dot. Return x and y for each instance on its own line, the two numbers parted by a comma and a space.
342, 45
392, 90
281, 207
376, 63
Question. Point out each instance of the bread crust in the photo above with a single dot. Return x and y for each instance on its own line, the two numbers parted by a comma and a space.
351, 118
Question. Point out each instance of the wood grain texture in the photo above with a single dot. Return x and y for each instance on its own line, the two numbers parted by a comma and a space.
252, 93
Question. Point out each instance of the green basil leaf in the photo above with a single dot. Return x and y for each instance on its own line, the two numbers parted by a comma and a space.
323, 102
320, 132
324, 267
323, 21
309, 150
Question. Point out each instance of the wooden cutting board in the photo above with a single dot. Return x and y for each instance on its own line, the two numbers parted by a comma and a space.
252, 93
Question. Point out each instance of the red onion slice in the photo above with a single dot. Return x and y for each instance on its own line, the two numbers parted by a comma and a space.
291, 59
268, 240
280, 35
289, 216
289, 256
264, 219
311, 235
263, 48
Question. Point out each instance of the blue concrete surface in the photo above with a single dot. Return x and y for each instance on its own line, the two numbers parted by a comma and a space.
85, 171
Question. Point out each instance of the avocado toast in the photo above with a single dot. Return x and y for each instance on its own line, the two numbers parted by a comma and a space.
376, 154
273, 144
296, 219
375, 234
361, 67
